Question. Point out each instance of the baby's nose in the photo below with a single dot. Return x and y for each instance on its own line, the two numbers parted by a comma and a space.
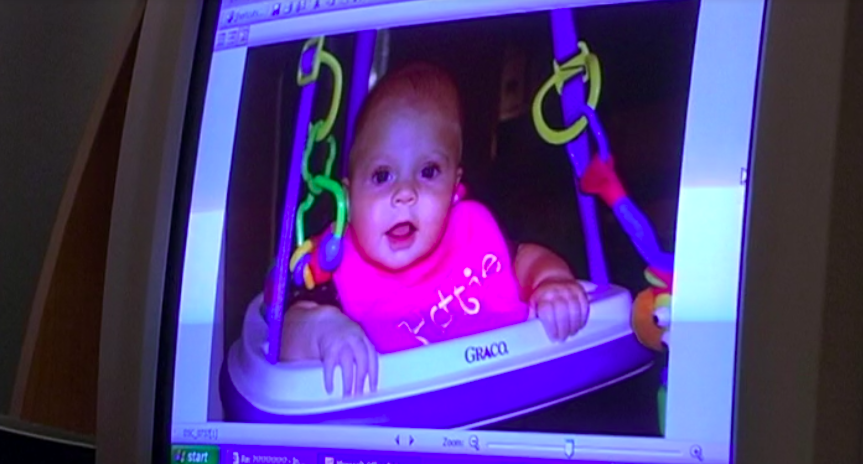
405, 194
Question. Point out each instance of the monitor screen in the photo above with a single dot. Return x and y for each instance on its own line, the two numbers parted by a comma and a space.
430, 231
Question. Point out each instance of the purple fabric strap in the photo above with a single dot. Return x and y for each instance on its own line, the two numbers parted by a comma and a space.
276, 311
572, 99
636, 225
363, 56
633, 221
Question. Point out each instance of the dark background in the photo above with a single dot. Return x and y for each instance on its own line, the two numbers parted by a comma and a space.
56, 57
645, 50
22, 443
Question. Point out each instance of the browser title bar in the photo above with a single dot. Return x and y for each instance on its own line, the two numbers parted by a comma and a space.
233, 14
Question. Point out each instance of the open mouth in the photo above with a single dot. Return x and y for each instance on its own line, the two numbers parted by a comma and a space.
401, 235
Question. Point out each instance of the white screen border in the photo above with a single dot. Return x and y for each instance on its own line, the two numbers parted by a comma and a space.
710, 195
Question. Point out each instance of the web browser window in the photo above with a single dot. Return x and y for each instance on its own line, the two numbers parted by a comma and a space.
449, 231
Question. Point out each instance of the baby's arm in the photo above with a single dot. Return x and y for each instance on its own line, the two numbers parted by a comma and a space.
554, 295
324, 332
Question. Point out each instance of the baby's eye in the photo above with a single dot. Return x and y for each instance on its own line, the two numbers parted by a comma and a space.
381, 176
430, 172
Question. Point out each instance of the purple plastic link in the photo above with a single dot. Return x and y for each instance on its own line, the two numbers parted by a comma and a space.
636, 225
330, 252
300, 270
364, 54
572, 99
301, 132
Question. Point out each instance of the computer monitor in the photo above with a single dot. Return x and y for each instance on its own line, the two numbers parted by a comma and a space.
436, 231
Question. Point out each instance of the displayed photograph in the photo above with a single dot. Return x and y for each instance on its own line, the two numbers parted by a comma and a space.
458, 225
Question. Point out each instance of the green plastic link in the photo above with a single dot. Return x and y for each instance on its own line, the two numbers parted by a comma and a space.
335, 188
319, 132
585, 64
308, 177
300, 226
331, 157
319, 183
318, 44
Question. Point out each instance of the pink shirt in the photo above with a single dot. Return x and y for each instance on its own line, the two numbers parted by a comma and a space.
466, 286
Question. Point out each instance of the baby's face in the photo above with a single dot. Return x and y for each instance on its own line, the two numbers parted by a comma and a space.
405, 171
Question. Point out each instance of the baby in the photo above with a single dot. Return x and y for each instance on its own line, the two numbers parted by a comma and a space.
420, 263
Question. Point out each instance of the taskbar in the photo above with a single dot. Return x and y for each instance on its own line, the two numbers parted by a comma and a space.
445, 446
247, 454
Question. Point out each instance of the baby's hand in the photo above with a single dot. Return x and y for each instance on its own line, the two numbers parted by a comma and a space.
561, 304
343, 343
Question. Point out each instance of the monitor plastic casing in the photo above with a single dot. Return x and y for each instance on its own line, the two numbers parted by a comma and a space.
800, 371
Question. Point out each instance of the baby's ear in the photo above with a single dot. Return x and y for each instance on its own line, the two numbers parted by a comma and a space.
460, 191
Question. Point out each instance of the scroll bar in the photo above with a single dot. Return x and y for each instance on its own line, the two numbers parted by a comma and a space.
568, 449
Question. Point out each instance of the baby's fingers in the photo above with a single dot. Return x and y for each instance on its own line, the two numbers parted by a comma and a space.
574, 313
563, 316
545, 313
373, 366
360, 354
346, 361
584, 309
329, 369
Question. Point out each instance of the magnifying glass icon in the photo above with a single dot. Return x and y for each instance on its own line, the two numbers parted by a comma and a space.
473, 441
696, 452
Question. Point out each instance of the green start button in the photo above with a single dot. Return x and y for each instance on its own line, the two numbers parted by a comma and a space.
195, 455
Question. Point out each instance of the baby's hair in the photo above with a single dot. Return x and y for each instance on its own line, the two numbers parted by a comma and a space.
417, 83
